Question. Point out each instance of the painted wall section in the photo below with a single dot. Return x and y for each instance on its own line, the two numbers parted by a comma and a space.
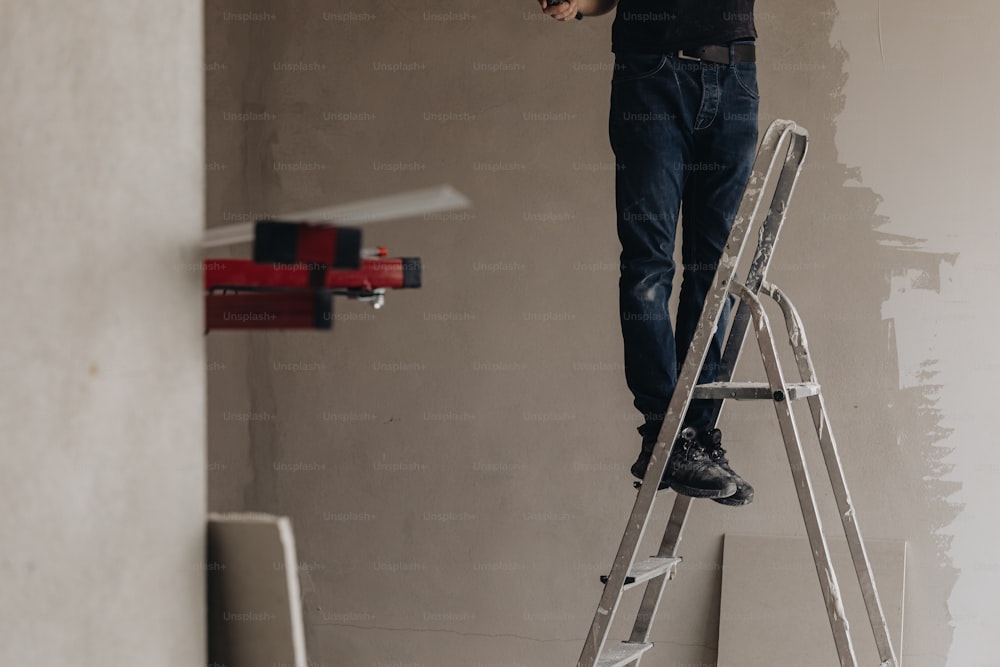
923, 128
456, 465
102, 410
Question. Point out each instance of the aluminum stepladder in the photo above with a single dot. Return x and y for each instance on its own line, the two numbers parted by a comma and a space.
654, 572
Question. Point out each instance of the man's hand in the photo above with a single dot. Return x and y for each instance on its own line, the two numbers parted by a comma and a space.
564, 11
568, 8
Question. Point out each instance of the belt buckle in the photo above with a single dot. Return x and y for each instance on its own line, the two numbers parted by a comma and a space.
683, 56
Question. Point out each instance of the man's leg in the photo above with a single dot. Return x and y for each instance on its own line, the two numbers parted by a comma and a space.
651, 141
653, 107
724, 149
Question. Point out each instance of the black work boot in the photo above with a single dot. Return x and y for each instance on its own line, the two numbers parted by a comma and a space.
689, 471
711, 441
642, 462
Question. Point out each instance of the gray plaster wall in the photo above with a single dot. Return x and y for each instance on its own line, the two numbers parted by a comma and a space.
456, 464
102, 413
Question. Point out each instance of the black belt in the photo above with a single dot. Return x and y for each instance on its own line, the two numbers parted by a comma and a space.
718, 53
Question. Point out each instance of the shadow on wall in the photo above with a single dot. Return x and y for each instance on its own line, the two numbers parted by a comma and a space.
416, 415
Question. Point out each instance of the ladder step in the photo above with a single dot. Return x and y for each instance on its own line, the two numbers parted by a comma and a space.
753, 390
650, 568
621, 654
647, 569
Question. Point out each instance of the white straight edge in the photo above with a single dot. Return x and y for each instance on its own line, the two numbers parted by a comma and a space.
902, 611
294, 594
377, 209
287, 539
241, 232
256, 517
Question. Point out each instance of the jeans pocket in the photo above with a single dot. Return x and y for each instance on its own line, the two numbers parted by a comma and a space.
634, 66
745, 75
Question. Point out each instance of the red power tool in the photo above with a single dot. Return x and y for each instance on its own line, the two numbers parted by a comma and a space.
296, 270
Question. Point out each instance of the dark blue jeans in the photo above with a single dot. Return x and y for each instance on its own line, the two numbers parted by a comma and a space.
684, 135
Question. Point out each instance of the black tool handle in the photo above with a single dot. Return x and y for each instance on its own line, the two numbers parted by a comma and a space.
551, 3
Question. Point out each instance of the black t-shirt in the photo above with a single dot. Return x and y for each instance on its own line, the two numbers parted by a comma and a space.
658, 26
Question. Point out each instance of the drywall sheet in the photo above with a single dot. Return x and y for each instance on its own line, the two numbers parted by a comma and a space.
255, 617
772, 612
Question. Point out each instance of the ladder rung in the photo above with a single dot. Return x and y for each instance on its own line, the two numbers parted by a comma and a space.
621, 654
645, 570
753, 390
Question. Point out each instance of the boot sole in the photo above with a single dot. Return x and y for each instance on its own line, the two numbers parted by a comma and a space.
733, 502
694, 492
743, 495
714, 494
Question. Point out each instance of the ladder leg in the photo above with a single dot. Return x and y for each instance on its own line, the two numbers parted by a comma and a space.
817, 539
769, 232
654, 589
803, 484
859, 555
613, 589
831, 456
